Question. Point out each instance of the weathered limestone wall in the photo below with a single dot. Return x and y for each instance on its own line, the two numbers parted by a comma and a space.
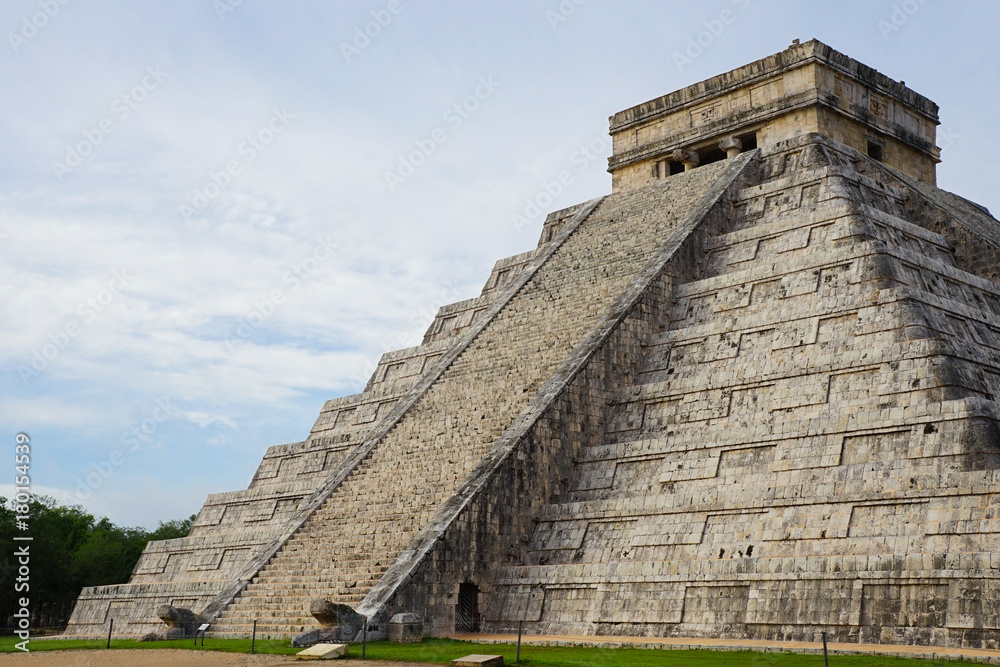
895, 152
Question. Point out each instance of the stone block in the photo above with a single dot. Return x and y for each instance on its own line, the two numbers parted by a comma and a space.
323, 652
405, 628
477, 660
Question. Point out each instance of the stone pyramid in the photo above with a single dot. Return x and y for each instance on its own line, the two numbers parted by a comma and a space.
750, 393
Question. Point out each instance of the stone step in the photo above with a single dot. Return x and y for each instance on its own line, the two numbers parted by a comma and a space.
269, 615
263, 631
319, 577
267, 587
302, 612
300, 594
326, 555
307, 594
306, 583
336, 576
267, 592
325, 569
304, 558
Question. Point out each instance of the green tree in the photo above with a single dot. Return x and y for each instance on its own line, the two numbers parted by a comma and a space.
71, 549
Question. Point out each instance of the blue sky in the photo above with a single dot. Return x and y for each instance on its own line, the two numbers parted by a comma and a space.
199, 242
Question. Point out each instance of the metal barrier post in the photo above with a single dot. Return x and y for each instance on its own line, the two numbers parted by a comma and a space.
110, 628
253, 639
517, 660
826, 658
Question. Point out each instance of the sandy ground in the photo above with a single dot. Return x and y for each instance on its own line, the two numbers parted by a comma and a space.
169, 658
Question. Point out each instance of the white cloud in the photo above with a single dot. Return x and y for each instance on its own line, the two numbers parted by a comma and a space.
202, 419
62, 496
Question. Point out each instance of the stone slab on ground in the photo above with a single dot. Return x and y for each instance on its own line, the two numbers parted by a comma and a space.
477, 660
323, 652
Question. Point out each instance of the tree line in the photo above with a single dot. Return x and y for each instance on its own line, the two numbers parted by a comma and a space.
70, 549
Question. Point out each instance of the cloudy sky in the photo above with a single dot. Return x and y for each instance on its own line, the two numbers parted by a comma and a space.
210, 222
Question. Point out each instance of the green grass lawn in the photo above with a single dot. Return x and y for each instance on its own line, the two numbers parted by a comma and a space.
442, 651
279, 646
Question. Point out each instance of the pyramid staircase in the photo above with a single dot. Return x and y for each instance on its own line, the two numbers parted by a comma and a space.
370, 518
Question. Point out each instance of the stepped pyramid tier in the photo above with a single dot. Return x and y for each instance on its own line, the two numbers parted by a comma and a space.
753, 392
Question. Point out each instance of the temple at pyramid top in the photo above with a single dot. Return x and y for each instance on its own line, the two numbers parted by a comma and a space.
807, 87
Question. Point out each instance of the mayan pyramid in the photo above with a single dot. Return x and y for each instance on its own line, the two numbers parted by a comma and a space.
750, 393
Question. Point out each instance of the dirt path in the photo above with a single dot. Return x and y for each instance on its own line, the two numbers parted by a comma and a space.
804, 647
168, 658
